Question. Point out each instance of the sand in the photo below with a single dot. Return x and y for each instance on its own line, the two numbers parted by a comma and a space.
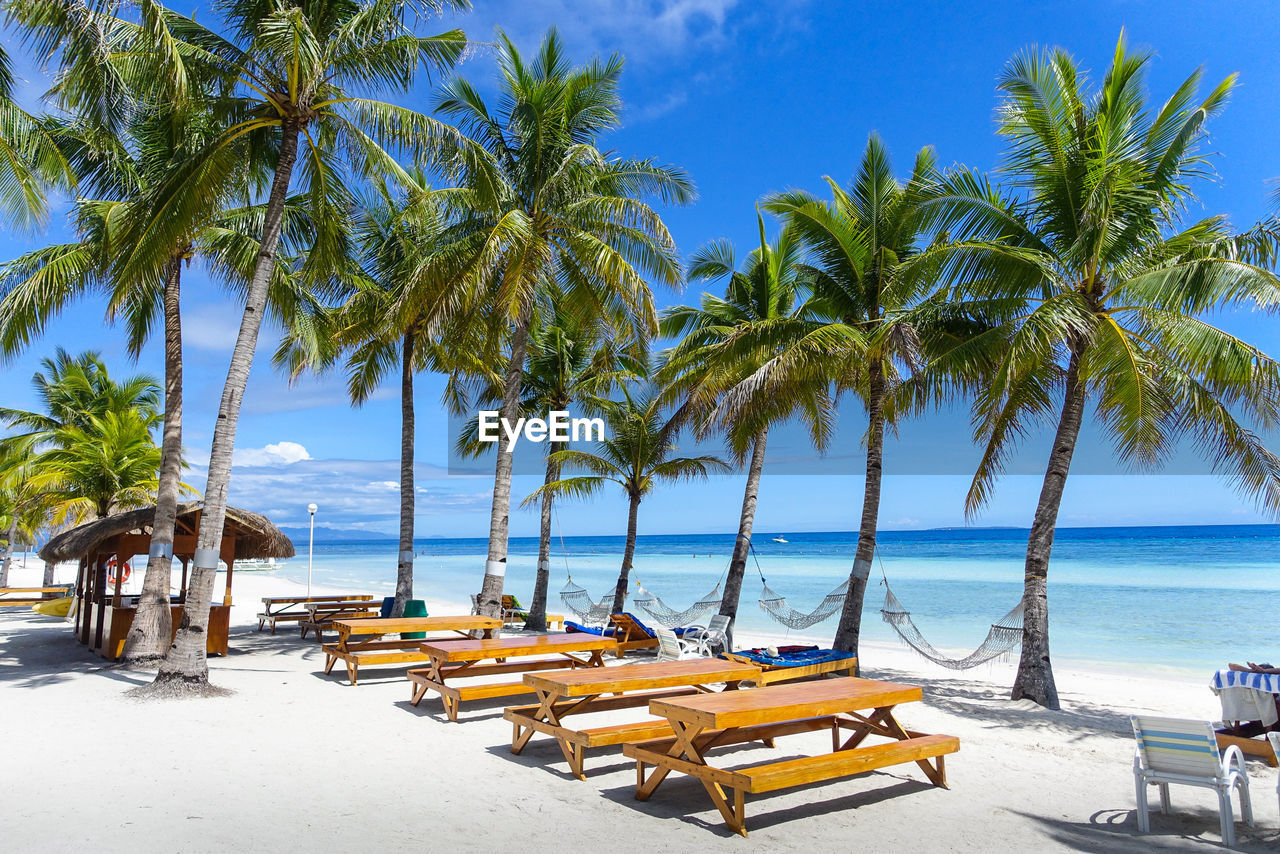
294, 759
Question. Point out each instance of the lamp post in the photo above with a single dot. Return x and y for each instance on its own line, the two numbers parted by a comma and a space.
311, 544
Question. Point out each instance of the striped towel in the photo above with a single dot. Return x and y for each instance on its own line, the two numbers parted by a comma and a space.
1268, 682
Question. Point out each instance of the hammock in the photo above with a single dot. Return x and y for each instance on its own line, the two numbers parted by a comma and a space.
776, 606
670, 618
577, 600
1005, 634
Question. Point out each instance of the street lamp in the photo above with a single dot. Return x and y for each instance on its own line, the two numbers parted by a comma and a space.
311, 544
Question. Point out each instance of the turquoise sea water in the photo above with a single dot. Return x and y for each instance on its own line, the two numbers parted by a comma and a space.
1183, 597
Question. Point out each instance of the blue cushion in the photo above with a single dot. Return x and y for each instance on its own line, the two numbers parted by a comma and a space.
571, 626
793, 657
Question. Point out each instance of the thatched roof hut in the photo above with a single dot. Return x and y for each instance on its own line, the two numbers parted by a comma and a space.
253, 533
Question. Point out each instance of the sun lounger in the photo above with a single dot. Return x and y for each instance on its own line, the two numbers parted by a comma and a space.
627, 630
795, 662
25, 597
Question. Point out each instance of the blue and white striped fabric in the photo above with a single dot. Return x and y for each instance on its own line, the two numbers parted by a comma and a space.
1268, 682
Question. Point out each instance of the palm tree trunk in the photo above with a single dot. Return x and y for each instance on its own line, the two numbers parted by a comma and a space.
738, 563
12, 539
1035, 672
185, 662
850, 627
537, 619
495, 568
624, 577
152, 625
49, 567
404, 567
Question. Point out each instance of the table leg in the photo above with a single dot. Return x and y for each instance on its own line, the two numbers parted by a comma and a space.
937, 775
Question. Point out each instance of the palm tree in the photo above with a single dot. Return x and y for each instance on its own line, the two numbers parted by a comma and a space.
725, 342
571, 359
637, 454
108, 465
29, 159
858, 247
1088, 286
544, 204
290, 78
406, 293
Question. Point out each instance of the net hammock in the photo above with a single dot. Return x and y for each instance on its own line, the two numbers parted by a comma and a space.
1005, 634
579, 601
776, 606
671, 618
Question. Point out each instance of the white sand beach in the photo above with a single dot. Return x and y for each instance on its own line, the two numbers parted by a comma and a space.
295, 759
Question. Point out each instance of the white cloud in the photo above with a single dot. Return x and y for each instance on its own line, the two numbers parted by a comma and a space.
278, 454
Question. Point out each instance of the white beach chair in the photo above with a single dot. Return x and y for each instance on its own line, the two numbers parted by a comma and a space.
706, 640
1274, 738
1172, 750
672, 648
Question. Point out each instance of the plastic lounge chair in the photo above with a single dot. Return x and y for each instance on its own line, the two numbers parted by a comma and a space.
1172, 750
672, 648
712, 639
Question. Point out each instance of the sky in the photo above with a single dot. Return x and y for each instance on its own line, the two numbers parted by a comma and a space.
748, 98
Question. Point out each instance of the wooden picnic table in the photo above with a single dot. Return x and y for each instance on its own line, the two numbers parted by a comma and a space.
577, 692
322, 615
706, 721
376, 649
286, 608
454, 659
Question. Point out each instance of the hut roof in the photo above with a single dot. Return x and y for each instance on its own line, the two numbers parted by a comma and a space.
255, 536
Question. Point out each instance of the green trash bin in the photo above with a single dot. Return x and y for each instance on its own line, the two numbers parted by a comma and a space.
414, 608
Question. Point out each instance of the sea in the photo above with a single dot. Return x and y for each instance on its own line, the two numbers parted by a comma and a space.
1186, 598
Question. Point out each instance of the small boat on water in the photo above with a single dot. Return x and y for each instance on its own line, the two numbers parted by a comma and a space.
780, 539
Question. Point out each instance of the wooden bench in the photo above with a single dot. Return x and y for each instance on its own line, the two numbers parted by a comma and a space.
286, 609
376, 650
707, 721
322, 615
449, 661
18, 597
578, 692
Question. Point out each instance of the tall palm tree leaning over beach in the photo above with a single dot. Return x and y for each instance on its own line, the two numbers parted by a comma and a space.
636, 454
117, 168
1090, 287
724, 342
858, 248
291, 77
546, 204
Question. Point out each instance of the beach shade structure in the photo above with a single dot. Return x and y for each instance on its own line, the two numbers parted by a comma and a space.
104, 547
776, 606
669, 617
577, 600
1004, 635
1185, 752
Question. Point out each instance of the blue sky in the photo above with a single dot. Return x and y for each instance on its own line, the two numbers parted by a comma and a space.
748, 98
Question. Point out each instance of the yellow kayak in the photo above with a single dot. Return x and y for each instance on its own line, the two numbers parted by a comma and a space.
54, 607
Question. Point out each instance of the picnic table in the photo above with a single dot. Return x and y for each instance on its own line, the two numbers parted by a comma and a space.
706, 721
377, 649
322, 615
455, 659
578, 692
28, 596
290, 608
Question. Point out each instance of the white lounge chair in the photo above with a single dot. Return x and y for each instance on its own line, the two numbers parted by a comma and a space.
1172, 750
672, 648
1274, 738
714, 636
